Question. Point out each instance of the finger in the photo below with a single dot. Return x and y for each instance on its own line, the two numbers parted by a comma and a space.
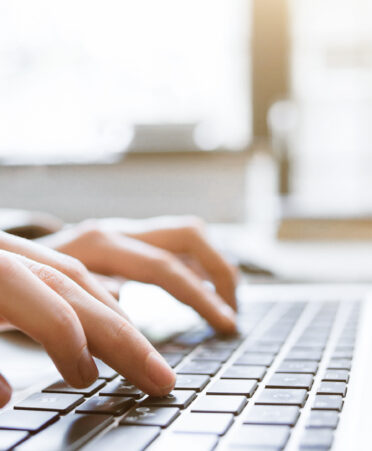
111, 284
5, 325
190, 240
112, 338
182, 235
69, 266
5, 391
139, 261
30, 305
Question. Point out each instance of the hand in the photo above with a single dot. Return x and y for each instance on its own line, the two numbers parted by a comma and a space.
53, 298
171, 252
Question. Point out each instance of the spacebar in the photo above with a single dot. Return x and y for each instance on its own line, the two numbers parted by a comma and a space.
68, 434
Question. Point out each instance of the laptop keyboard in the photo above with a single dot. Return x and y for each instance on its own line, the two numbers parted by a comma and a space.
280, 384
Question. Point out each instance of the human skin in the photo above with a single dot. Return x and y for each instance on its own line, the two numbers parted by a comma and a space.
48, 291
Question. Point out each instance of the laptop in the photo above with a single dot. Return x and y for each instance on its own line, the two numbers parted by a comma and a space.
297, 376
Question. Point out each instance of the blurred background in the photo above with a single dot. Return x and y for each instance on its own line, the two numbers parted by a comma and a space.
220, 108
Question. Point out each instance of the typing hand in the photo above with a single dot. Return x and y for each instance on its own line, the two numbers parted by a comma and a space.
54, 299
171, 252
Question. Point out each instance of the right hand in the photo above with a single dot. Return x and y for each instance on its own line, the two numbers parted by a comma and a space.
71, 322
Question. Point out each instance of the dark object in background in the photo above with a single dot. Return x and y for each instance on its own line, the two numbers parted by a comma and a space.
26, 224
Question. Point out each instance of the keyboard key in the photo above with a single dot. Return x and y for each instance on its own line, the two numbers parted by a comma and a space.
288, 380
185, 442
207, 423
332, 388
69, 433
173, 359
151, 416
261, 437
342, 355
245, 372
8, 439
323, 419
62, 387
200, 367
195, 337
56, 402
328, 402
191, 382
347, 341
219, 355
177, 398
233, 387
274, 337
344, 348
310, 343
339, 364
222, 341
111, 405
304, 355
317, 439
121, 388
104, 371
273, 415
252, 358
25, 420
135, 438
336, 376
220, 404
258, 346
173, 348
298, 366
283, 396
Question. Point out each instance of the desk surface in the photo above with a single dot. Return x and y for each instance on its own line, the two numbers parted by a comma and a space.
297, 261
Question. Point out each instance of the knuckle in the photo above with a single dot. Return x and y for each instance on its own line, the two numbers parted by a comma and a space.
163, 261
64, 325
91, 230
160, 264
65, 319
194, 228
74, 269
120, 335
49, 276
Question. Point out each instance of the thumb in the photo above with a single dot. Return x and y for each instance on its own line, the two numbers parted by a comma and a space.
5, 391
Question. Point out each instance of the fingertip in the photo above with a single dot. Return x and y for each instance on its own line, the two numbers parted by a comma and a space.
160, 374
87, 368
228, 324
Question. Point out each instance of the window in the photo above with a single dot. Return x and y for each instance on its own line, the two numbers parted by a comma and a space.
77, 77
332, 85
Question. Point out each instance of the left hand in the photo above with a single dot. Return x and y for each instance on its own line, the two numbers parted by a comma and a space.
171, 252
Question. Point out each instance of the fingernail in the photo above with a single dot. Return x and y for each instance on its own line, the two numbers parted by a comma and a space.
159, 372
87, 367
